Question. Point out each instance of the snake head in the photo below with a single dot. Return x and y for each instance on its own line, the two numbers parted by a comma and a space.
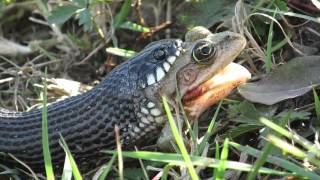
153, 64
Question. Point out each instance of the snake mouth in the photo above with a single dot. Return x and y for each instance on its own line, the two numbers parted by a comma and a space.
198, 99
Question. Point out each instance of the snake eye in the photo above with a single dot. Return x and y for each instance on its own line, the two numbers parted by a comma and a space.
160, 54
203, 51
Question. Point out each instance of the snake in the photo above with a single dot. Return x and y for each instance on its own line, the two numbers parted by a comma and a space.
128, 97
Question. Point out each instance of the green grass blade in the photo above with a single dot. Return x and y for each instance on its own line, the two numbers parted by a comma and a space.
275, 127
268, 58
74, 167
134, 27
194, 134
121, 52
285, 164
217, 155
317, 104
34, 176
67, 169
165, 171
280, 44
42, 5
210, 130
260, 161
286, 147
48, 54
123, 13
13, 173
224, 157
293, 150
106, 169
292, 135
265, 152
143, 168
292, 14
193, 131
178, 160
45, 136
179, 140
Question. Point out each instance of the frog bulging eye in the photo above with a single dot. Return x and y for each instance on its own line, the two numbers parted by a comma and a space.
160, 54
203, 51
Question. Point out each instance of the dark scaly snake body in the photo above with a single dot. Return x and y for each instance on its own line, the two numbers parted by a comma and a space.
87, 121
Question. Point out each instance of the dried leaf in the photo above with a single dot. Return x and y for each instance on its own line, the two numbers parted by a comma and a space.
292, 79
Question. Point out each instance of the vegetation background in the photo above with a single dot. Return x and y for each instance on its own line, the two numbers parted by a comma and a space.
268, 129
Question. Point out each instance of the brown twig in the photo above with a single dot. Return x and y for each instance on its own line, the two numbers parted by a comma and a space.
86, 59
137, 5
119, 150
154, 29
168, 18
25, 165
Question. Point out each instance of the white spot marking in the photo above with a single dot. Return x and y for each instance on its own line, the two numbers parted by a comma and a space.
132, 134
144, 110
155, 112
177, 53
139, 115
150, 79
160, 73
166, 66
179, 42
141, 125
159, 120
150, 105
145, 120
136, 129
171, 59
150, 118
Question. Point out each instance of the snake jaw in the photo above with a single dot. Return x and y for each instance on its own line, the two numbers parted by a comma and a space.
197, 100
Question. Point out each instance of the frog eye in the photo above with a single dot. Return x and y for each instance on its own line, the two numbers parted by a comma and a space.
203, 51
160, 53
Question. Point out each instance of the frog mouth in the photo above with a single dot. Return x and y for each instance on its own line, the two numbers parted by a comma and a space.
200, 98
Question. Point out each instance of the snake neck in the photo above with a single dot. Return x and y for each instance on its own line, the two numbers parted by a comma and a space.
86, 122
